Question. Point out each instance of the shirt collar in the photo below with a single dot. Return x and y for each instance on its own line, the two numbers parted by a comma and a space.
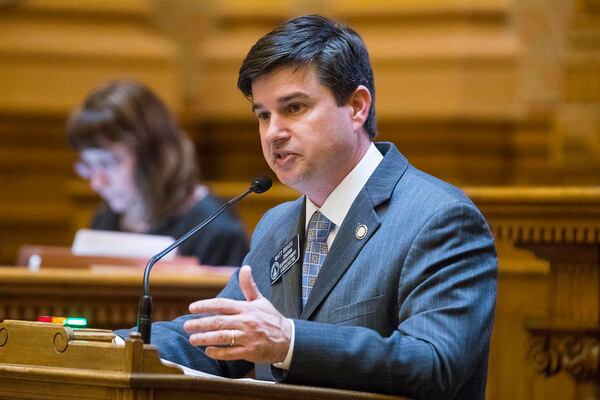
337, 205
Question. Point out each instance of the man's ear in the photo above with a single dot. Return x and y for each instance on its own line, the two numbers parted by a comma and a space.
360, 100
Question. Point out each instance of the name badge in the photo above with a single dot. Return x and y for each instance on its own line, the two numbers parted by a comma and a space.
285, 258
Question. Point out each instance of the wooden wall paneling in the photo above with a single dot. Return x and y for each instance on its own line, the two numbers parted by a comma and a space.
27, 223
465, 150
34, 162
229, 150
577, 119
532, 148
34, 159
51, 57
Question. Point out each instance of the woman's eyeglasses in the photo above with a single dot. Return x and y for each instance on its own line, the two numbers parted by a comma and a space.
86, 169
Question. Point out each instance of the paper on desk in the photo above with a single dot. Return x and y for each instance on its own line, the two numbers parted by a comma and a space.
190, 371
195, 372
90, 242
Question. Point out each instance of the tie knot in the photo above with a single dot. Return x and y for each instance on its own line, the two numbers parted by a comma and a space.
318, 228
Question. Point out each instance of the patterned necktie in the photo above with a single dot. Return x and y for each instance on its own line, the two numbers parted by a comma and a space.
315, 251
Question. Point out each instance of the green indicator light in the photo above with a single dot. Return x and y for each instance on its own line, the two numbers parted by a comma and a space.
76, 322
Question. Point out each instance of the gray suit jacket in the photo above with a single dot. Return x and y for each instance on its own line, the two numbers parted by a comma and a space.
408, 309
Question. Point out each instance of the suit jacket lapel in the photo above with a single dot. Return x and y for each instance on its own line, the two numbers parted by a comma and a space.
347, 245
286, 293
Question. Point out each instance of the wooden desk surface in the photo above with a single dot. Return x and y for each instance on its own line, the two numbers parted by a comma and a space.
118, 276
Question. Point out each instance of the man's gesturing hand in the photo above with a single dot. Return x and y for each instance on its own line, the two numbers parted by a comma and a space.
251, 330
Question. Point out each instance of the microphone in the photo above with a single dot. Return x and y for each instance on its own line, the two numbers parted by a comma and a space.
259, 185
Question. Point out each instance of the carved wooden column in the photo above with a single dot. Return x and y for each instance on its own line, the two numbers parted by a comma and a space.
569, 340
573, 350
561, 226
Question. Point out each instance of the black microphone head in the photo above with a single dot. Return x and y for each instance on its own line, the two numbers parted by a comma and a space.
261, 184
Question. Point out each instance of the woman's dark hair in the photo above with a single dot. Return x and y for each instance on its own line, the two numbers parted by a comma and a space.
128, 112
336, 51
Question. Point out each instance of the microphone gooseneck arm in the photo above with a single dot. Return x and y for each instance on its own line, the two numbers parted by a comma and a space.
185, 237
144, 323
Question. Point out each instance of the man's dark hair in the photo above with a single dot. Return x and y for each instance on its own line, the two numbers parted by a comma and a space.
337, 52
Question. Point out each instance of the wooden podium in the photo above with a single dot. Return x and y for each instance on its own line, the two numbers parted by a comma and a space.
50, 361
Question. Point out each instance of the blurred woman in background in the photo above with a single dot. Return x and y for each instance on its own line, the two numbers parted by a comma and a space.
137, 158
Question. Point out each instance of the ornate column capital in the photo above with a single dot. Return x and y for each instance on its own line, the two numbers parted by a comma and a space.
577, 353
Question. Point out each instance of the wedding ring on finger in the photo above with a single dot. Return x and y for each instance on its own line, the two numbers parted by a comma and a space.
232, 337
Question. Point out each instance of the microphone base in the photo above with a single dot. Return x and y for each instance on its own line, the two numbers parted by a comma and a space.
144, 322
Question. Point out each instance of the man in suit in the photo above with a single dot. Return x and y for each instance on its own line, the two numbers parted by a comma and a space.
379, 278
